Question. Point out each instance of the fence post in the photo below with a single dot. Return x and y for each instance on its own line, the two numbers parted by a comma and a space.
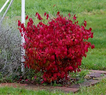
22, 38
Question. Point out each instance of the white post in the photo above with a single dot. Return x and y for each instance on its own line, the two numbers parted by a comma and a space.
22, 39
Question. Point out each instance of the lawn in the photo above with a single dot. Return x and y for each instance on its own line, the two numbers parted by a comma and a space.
93, 11
99, 89
95, 15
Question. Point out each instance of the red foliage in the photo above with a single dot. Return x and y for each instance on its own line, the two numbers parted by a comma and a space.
55, 48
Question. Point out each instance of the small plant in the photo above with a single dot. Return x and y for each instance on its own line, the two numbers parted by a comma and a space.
55, 48
78, 77
10, 39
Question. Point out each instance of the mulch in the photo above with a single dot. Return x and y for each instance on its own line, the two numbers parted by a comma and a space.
91, 79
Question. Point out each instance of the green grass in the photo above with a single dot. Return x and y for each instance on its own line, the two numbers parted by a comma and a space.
99, 89
93, 11
96, 57
65, 6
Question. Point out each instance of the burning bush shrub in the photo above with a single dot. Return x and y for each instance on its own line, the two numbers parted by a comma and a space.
55, 48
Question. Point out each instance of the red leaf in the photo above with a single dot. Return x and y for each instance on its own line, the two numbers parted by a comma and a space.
58, 13
92, 46
19, 23
26, 17
85, 23
69, 15
74, 17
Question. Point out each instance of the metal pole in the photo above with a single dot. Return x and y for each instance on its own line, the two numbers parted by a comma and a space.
22, 39
6, 11
4, 6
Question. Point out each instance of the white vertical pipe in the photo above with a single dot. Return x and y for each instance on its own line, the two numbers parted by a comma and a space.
22, 39
23, 11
